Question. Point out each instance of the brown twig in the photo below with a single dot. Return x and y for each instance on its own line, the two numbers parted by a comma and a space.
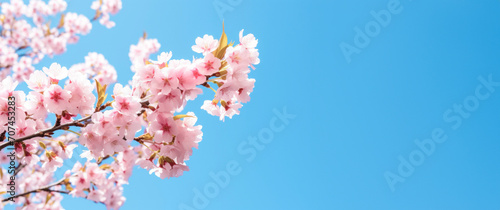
45, 132
46, 189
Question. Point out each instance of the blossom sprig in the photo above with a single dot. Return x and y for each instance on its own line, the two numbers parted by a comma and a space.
149, 111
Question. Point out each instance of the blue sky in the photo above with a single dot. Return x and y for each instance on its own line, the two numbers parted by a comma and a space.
348, 123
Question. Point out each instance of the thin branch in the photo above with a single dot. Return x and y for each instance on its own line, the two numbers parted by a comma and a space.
46, 188
20, 48
46, 131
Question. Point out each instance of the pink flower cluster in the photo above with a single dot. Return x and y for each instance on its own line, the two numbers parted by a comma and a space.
27, 35
142, 123
96, 67
105, 8
73, 98
7, 89
235, 86
102, 184
33, 176
140, 53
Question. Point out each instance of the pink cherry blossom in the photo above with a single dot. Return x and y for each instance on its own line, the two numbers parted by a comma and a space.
228, 110
25, 128
67, 151
77, 24
164, 128
141, 123
107, 7
80, 180
52, 163
38, 81
55, 72
35, 105
56, 6
127, 105
205, 45
164, 81
140, 53
56, 99
96, 67
190, 77
80, 101
163, 58
209, 65
248, 41
238, 56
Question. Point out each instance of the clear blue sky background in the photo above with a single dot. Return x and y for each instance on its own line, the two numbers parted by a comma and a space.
353, 120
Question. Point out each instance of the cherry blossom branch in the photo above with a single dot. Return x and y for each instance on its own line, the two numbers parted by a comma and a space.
58, 126
46, 189
46, 131
152, 103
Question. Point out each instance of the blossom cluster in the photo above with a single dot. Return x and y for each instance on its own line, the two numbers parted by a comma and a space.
27, 35
104, 8
96, 67
143, 123
234, 87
